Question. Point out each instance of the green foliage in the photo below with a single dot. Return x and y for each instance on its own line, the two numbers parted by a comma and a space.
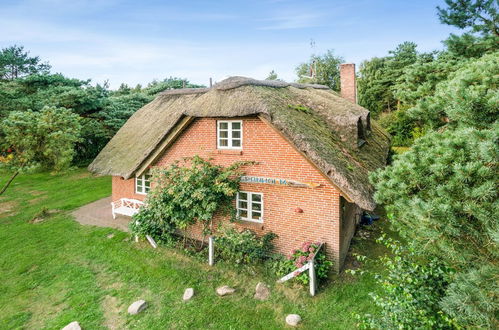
43, 139
327, 70
401, 126
469, 97
243, 247
379, 75
441, 195
272, 76
16, 63
156, 87
189, 193
410, 292
300, 257
478, 15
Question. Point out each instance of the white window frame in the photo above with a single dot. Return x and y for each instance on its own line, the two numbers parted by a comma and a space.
229, 134
250, 202
141, 189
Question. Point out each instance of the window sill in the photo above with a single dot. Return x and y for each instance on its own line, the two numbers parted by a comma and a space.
227, 152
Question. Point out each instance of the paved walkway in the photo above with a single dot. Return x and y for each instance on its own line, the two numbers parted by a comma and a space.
99, 214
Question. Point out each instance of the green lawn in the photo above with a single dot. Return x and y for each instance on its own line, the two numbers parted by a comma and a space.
57, 271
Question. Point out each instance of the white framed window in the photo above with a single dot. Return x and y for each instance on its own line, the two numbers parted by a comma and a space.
229, 134
250, 206
143, 184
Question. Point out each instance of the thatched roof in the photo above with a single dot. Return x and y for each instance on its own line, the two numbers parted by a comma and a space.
319, 123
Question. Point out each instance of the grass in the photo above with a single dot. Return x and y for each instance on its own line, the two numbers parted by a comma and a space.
55, 271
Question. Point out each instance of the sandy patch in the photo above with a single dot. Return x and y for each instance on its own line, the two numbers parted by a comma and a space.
111, 307
7, 208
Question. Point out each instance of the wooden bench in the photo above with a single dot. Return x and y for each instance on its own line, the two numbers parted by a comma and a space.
126, 206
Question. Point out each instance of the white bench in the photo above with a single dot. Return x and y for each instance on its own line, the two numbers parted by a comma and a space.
126, 206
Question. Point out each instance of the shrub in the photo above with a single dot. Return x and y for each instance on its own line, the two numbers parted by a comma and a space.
300, 257
409, 292
185, 195
243, 247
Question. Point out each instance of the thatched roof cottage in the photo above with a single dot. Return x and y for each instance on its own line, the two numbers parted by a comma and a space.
297, 133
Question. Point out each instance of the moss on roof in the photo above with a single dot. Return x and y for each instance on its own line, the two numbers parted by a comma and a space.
321, 124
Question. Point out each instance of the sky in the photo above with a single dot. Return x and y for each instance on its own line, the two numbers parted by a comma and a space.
137, 41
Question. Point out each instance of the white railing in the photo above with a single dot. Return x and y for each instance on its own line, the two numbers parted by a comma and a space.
126, 206
310, 265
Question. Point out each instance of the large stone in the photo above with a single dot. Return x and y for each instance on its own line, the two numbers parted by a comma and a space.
188, 293
293, 319
225, 290
262, 292
137, 307
72, 326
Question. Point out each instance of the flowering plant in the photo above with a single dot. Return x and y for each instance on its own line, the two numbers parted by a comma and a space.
299, 257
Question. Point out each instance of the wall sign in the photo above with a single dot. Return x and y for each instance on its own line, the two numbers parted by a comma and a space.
278, 181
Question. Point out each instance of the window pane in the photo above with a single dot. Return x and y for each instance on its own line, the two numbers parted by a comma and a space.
256, 207
243, 196
139, 182
236, 143
148, 177
243, 214
223, 134
236, 134
224, 142
236, 125
256, 215
243, 205
147, 184
256, 197
146, 189
223, 125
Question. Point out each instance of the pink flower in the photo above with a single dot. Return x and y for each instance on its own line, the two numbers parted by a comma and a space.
293, 252
305, 247
298, 264
290, 257
302, 259
296, 273
312, 249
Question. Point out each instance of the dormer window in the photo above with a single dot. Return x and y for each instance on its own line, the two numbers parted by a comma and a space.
229, 134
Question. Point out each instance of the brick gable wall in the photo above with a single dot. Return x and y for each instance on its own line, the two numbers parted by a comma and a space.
276, 158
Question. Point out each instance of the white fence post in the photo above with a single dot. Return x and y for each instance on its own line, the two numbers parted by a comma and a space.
312, 278
210, 250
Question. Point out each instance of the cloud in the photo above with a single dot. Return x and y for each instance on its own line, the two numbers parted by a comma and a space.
293, 21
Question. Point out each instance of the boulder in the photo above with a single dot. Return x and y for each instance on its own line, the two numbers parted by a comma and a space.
262, 292
72, 326
137, 307
225, 290
188, 293
110, 236
293, 319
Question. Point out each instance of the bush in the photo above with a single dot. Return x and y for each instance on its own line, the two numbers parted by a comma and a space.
243, 247
409, 292
145, 223
300, 257
185, 195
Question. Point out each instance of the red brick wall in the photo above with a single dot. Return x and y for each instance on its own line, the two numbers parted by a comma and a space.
320, 220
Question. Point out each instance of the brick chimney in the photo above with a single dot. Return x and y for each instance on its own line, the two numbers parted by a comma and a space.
347, 82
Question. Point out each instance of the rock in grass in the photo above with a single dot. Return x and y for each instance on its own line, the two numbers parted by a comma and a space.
293, 319
137, 307
110, 236
188, 293
72, 326
262, 292
225, 290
